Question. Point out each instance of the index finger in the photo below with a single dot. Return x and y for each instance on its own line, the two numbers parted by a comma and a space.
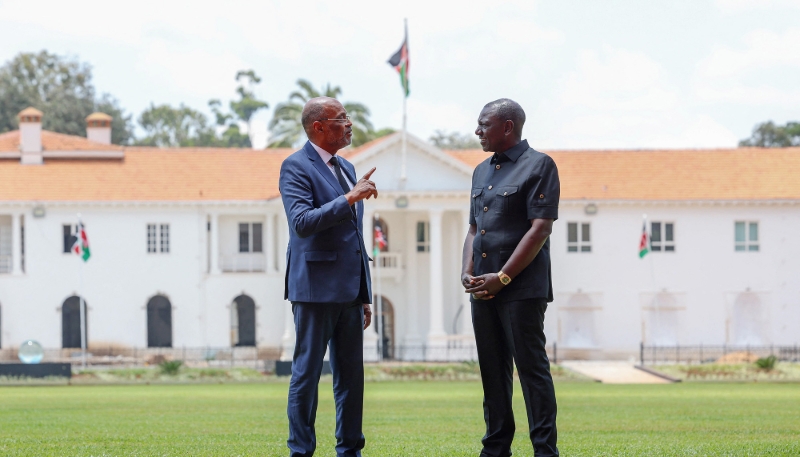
369, 173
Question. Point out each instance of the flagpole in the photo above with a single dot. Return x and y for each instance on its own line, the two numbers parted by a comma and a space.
379, 312
82, 303
657, 318
405, 96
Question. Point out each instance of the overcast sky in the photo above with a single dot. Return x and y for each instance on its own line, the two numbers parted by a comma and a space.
590, 74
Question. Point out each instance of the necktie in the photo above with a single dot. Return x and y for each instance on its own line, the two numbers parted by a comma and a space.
345, 187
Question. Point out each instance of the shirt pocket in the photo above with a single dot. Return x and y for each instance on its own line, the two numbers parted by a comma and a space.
507, 197
477, 201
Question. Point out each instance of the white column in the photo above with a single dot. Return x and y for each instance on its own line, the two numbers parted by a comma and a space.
466, 312
371, 333
288, 339
214, 240
16, 244
436, 329
269, 238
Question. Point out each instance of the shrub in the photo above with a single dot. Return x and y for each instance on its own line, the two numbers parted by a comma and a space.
766, 363
170, 367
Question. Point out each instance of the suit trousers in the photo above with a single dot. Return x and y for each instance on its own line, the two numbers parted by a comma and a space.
339, 326
508, 332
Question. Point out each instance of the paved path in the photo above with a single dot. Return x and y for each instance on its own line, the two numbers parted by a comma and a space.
610, 372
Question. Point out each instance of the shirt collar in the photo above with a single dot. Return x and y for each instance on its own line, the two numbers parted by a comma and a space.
323, 154
511, 153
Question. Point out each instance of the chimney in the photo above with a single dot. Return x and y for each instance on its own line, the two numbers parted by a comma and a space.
30, 136
98, 128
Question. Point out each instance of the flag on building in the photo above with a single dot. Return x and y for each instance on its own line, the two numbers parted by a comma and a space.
400, 62
380, 241
81, 246
644, 245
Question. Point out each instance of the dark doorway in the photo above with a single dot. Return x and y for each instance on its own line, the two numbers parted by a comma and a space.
71, 323
159, 322
244, 320
386, 319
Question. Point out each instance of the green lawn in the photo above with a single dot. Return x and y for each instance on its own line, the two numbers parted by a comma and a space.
402, 419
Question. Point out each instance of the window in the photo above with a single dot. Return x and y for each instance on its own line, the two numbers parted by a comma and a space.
251, 237
746, 235
582, 243
423, 237
151, 238
69, 238
157, 238
662, 236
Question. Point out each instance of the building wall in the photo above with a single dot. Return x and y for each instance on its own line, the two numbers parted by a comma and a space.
701, 281
606, 301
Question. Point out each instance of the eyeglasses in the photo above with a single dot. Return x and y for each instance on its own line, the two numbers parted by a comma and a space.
338, 119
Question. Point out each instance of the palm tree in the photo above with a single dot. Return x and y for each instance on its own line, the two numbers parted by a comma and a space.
286, 128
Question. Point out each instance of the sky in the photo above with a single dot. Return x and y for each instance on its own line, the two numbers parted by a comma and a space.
590, 74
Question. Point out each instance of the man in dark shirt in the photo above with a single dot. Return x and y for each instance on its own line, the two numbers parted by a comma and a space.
506, 268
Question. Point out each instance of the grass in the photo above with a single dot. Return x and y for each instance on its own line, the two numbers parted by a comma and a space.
408, 418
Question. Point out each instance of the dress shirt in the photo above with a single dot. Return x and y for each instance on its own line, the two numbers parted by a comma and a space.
510, 189
326, 157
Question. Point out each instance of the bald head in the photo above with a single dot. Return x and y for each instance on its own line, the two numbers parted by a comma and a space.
315, 110
506, 109
326, 123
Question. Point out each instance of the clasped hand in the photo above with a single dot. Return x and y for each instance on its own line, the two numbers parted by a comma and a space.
364, 189
483, 287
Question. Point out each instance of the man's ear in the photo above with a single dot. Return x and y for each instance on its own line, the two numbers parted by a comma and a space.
509, 127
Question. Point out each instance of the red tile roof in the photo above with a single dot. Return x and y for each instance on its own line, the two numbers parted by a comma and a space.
213, 174
685, 174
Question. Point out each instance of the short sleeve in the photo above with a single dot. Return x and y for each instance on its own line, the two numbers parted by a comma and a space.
544, 190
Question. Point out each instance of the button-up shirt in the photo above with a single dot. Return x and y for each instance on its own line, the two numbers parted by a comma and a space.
510, 189
326, 159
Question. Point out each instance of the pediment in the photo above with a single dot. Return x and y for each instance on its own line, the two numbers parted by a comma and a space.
427, 168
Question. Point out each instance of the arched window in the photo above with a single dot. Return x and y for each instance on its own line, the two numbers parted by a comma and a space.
748, 320
159, 322
577, 322
71, 323
663, 320
385, 317
384, 232
243, 321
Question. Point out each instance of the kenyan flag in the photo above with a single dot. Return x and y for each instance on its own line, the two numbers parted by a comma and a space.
81, 246
400, 62
643, 241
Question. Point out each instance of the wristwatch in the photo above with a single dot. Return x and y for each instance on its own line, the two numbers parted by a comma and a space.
504, 278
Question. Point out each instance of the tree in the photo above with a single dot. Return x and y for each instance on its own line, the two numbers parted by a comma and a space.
770, 135
242, 110
286, 127
62, 89
453, 140
166, 126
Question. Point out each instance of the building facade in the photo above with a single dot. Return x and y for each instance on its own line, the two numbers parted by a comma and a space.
188, 246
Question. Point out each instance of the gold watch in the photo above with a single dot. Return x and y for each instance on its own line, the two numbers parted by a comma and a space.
504, 278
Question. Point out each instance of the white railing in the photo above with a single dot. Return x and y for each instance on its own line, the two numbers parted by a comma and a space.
390, 265
5, 264
243, 263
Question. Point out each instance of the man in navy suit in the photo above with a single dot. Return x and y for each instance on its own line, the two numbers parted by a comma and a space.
327, 276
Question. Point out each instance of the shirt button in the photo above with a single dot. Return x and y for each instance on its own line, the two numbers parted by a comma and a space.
541, 195
505, 193
483, 255
483, 232
485, 208
490, 187
497, 167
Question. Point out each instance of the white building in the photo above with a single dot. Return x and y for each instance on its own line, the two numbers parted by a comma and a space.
188, 245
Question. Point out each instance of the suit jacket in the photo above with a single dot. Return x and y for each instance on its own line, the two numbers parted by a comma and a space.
326, 257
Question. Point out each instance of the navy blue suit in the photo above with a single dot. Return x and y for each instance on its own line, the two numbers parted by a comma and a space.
327, 281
